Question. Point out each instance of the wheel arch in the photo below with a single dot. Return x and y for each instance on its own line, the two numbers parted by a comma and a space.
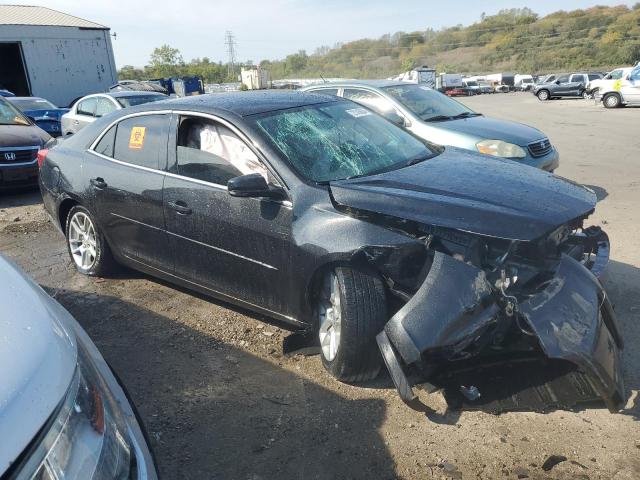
63, 211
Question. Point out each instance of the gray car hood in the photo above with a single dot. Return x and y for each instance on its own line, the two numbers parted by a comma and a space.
37, 360
486, 128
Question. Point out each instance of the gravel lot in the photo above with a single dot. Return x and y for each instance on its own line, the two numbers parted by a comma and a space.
220, 401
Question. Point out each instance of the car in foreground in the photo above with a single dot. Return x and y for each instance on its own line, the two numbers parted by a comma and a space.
434, 117
44, 113
624, 91
87, 109
319, 213
62, 412
20, 141
6, 93
565, 85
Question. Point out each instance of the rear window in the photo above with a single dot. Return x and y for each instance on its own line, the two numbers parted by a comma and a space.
32, 104
138, 100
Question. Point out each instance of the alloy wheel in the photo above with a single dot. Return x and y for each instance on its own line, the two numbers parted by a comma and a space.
330, 317
82, 240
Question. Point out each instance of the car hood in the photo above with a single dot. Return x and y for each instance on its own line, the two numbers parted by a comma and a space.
470, 192
22, 136
486, 128
37, 360
51, 113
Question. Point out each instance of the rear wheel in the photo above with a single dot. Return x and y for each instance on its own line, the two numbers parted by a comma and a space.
585, 95
86, 244
543, 95
351, 311
611, 100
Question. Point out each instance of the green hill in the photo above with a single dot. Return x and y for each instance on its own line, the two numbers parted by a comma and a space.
515, 40
512, 40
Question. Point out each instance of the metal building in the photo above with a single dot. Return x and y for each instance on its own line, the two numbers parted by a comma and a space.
50, 54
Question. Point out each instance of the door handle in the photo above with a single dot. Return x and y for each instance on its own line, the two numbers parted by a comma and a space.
76, 122
180, 207
98, 182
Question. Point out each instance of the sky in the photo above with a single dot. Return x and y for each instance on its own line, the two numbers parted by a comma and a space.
275, 28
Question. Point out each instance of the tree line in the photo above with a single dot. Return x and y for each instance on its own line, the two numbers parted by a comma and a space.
511, 40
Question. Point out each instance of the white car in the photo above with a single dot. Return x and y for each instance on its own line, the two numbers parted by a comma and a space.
63, 414
600, 84
624, 91
89, 108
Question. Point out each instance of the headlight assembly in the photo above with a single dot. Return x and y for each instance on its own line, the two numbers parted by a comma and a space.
87, 437
498, 148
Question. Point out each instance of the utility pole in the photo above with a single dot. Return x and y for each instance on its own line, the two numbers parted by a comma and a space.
230, 42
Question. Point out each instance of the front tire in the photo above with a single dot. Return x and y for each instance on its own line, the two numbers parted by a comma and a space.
611, 100
86, 244
543, 95
351, 311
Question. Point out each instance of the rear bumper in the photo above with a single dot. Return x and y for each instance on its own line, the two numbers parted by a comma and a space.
571, 320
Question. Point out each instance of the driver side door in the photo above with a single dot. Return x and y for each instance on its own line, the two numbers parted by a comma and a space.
236, 247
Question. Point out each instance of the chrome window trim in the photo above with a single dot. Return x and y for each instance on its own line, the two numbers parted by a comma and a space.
19, 164
13, 149
242, 136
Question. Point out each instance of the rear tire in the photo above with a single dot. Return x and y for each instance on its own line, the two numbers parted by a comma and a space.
611, 100
360, 313
543, 95
86, 244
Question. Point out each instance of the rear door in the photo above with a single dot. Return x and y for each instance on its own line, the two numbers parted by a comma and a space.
235, 246
577, 82
125, 171
83, 115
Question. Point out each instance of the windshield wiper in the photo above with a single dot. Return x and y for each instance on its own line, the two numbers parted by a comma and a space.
438, 118
417, 159
466, 115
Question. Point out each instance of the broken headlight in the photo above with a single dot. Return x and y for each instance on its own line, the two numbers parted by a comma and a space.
498, 148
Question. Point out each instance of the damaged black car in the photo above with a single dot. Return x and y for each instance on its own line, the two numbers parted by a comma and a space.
379, 246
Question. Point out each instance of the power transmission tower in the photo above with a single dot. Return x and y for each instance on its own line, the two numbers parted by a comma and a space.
230, 42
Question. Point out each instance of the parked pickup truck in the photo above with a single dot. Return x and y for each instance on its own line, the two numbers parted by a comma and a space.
565, 85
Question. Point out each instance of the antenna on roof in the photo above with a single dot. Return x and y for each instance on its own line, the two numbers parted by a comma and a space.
114, 35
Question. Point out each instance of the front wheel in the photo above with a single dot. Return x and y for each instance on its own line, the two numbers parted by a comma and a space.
543, 95
611, 100
86, 244
351, 311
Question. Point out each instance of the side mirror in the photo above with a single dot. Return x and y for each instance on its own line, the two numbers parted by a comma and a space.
252, 185
394, 117
557, 82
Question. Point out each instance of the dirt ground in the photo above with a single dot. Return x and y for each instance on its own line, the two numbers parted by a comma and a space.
220, 401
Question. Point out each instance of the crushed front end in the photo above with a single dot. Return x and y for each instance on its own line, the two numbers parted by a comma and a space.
509, 325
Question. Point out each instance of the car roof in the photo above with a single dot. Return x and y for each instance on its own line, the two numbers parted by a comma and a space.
242, 103
132, 93
361, 83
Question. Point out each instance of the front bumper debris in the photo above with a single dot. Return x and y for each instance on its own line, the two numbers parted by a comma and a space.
443, 332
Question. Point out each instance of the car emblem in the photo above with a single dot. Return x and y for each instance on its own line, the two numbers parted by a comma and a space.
10, 156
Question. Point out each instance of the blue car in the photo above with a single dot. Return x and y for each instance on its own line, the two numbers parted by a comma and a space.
44, 113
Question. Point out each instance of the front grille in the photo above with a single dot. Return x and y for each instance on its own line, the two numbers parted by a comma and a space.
10, 155
540, 148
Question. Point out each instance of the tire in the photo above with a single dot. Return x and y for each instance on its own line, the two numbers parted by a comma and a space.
543, 95
584, 95
611, 100
87, 247
354, 355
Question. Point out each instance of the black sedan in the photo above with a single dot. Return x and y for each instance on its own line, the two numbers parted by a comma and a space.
317, 212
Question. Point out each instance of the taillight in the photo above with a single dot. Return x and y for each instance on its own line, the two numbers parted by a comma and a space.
42, 154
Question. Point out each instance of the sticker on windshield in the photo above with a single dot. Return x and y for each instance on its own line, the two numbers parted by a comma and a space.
136, 140
358, 112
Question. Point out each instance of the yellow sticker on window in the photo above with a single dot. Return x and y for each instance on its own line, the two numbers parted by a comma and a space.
136, 140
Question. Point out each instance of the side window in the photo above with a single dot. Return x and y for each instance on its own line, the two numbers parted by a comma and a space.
368, 99
635, 75
327, 91
106, 143
87, 107
104, 106
142, 141
594, 76
211, 152
563, 79
615, 75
